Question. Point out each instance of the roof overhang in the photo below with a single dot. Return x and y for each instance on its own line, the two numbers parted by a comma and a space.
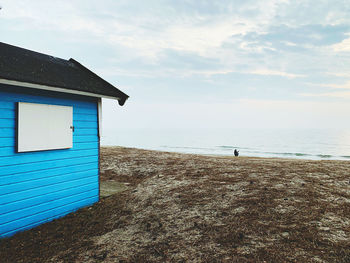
121, 101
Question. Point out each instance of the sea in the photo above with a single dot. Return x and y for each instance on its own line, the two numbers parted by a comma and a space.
312, 144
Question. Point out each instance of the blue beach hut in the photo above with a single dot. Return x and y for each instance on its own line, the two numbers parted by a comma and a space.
50, 120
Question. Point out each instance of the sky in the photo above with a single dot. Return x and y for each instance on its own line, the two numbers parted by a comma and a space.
201, 64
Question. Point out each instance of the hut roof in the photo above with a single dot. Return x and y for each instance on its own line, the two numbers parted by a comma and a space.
26, 66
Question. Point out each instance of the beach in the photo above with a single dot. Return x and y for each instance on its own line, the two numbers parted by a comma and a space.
174, 207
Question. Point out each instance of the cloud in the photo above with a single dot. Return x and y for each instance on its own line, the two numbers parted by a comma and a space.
343, 46
276, 73
345, 85
339, 74
148, 34
191, 72
335, 94
264, 72
291, 44
203, 38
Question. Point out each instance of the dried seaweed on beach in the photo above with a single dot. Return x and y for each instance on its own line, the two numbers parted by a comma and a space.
192, 208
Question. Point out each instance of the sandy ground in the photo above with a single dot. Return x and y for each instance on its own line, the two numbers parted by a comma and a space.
189, 208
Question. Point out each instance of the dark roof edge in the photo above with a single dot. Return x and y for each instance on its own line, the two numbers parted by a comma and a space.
14, 82
122, 97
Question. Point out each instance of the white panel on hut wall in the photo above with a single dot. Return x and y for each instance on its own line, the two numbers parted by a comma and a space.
44, 127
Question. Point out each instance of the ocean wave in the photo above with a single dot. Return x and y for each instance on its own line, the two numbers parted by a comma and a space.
305, 155
282, 153
246, 151
298, 154
233, 147
256, 151
227, 147
324, 156
186, 147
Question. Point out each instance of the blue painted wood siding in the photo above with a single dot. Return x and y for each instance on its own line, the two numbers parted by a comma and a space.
37, 187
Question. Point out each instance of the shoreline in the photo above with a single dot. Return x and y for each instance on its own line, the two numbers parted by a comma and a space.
345, 158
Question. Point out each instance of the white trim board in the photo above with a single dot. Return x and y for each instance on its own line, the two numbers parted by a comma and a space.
50, 88
99, 112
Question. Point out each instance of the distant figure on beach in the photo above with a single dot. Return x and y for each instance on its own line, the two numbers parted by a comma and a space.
236, 152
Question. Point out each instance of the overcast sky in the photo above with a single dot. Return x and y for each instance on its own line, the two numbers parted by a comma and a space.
201, 64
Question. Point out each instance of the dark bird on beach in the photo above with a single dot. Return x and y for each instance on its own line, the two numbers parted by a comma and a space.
236, 152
